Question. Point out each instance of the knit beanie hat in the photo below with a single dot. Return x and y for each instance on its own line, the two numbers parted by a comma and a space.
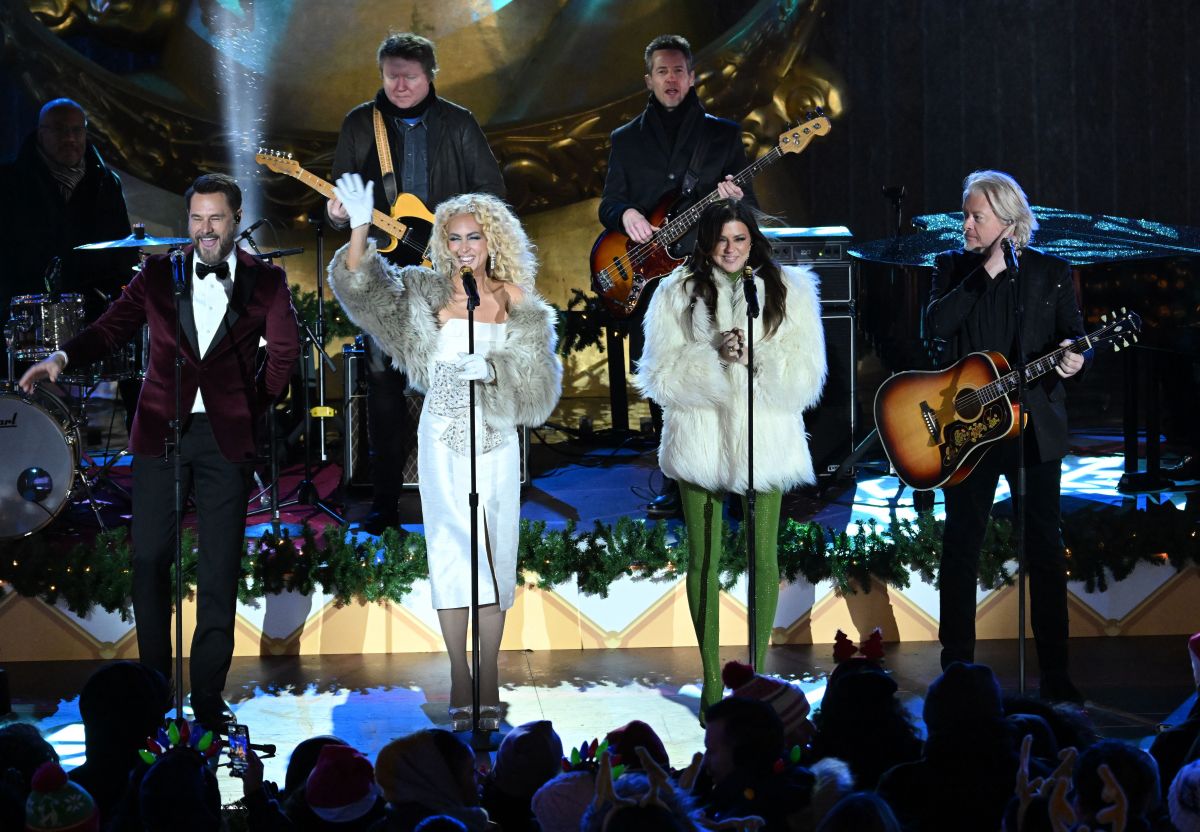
1183, 799
963, 694
529, 755
788, 700
623, 743
559, 805
341, 786
56, 804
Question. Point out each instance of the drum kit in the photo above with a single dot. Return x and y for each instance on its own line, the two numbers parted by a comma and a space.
43, 461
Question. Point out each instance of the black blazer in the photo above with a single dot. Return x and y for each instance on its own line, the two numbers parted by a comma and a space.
642, 168
1051, 314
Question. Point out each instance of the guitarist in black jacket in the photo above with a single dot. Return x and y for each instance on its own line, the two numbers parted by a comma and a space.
971, 309
438, 151
661, 151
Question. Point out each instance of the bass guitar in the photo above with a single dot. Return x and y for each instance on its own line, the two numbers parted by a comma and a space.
621, 268
936, 425
408, 228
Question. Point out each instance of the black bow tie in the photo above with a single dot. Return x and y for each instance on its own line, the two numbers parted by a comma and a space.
221, 270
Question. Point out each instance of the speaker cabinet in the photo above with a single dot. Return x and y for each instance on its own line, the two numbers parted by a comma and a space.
831, 424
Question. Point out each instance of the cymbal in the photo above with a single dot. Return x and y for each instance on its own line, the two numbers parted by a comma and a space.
1079, 238
138, 239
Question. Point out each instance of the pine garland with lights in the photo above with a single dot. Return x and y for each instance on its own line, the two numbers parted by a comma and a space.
1104, 543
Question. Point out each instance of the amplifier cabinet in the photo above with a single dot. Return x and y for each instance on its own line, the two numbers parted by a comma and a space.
831, 424
825, 250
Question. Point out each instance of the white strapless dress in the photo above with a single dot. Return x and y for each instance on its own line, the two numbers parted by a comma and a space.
444, 467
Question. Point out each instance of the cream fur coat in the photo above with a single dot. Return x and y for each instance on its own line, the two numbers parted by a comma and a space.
704, 403
399, 307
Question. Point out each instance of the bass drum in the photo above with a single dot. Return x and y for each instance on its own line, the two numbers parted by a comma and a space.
40, 442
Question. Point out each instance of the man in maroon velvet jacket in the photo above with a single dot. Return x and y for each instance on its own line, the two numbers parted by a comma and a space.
230, 301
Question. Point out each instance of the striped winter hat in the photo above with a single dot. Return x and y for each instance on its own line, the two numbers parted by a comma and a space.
787, 699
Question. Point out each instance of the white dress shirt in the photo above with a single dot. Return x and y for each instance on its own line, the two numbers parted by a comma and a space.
210, 301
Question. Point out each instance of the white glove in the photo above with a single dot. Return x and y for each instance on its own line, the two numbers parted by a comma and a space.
475, 367
359, 200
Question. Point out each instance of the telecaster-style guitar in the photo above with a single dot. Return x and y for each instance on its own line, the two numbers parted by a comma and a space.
409, 227
936, 425
621, 268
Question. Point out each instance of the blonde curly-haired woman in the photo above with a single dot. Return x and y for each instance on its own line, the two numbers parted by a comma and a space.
419, 317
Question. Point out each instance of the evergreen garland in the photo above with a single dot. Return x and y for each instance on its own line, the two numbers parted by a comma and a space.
337, 323
1103, 543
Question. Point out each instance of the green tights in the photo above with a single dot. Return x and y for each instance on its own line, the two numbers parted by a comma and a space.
705, 525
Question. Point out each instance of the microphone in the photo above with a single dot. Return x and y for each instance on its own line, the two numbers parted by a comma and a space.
245, 235
1010, 254
468, 281
751, 290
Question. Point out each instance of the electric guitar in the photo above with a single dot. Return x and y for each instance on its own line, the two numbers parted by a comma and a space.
621, 268
408, 228
936, 425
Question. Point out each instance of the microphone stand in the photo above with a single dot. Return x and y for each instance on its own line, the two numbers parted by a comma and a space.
177, 269
305, 492
750, 520
272, 489
480, 740
1010, 262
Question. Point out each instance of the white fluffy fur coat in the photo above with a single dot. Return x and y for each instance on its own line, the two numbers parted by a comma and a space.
399, 307
704, 404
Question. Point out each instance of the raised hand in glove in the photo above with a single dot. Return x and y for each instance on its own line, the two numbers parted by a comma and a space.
475, 367
357, 198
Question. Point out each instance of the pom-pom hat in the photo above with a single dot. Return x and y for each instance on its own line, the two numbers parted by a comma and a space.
55, 804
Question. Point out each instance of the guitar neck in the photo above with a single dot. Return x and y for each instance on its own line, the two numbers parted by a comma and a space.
679, 226
1033, 370
378, 218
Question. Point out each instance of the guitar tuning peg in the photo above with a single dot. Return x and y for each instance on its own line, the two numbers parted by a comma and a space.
289, 156
1104, 318
1122, 310
1117, 347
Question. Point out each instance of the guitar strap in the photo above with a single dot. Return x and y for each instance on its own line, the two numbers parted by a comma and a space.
384, 148
691, 176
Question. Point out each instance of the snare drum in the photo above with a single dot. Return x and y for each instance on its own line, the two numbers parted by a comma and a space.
40, 443
41, 324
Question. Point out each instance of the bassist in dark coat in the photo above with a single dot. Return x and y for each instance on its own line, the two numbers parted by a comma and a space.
654, 155
971, 308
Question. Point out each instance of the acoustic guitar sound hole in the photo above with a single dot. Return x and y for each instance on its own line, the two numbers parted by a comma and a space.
967, 405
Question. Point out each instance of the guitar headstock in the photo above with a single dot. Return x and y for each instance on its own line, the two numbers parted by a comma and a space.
795, 139
1122, 331
278, 161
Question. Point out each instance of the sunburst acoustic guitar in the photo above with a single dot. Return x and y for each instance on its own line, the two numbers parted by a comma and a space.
936, 426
